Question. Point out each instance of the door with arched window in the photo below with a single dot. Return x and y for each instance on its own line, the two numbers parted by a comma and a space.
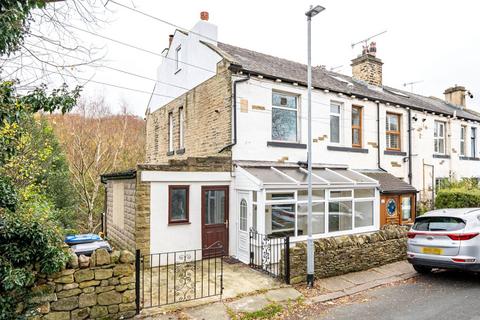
243, 226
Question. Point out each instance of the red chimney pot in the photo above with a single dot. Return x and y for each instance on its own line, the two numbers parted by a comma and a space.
204, 15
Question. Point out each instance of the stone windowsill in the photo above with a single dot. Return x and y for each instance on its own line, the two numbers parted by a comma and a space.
441, 156
170, 153
394, 153
469, 158
179, 223
180, 151
347, 149
294, 145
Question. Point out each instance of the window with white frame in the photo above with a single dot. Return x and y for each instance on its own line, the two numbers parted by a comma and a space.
439, 137
473, 142
243, 215
318, 212
280, 213
463, 134
284, 117
181, 129
170, 132
254, 211
335, 119
178, 58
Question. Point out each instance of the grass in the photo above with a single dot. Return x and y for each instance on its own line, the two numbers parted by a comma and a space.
267, 312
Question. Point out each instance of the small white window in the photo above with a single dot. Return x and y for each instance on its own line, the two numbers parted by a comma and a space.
170, 132
463, 133
335, 115
439, 137
243, 215
178, 58
473, 142
181, 131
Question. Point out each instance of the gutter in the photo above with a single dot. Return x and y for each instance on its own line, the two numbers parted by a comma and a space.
379, 160
234, 110
410, 146
130, 174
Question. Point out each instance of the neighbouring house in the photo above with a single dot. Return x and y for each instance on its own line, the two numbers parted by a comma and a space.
226, 150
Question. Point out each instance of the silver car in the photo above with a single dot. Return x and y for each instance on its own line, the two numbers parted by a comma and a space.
446, 239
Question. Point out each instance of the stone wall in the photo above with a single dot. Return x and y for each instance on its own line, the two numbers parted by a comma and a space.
97, 287
339, 255
122, 237
368, 68
207, 121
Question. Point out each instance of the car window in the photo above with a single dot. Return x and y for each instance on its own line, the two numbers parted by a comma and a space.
438, 224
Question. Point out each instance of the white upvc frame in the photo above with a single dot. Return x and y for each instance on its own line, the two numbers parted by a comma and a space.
341, 107
170, 132
181, 128
473, 142
463, 140
297, 117
439, 135
178, 55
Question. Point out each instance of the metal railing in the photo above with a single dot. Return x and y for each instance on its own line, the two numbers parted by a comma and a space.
270, 254
172, 277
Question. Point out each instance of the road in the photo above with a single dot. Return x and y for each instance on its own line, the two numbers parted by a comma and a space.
442, 295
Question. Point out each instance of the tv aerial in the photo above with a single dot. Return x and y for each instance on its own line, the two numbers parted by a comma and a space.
411, 84
365, 42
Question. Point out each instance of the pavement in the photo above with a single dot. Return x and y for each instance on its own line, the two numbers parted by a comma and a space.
257, 300
442, 295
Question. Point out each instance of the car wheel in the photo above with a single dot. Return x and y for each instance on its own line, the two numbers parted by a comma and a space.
422, 269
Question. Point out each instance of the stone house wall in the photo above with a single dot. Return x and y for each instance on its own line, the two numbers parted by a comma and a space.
97, 287
122, 237
207, 121
340, 255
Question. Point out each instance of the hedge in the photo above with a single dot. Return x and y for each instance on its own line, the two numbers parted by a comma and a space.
457, 198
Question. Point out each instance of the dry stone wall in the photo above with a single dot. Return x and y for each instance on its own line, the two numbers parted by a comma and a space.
98, 287
340, 255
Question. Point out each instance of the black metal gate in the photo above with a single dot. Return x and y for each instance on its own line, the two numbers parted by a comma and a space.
178, 276
270, 255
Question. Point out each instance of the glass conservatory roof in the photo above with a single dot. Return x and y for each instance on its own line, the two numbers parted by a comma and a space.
296, 175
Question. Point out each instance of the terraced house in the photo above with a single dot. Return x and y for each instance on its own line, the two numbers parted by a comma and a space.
226, 149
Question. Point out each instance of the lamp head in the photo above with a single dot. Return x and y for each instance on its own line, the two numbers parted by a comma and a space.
314, 11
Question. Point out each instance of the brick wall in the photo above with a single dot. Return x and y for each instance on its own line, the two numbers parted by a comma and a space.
340, 255
207, 125
122, 237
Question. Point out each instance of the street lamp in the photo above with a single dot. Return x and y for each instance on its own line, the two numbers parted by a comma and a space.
310, 249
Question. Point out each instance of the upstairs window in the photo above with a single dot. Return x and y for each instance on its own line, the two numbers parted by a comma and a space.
170, 132
439, 137
357, 127
473, 142
284, 117
181, 130
393, 131
178, 58
463, 133
335, 115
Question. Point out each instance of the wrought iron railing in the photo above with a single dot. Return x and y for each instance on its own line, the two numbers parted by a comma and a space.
178, 276
270, 254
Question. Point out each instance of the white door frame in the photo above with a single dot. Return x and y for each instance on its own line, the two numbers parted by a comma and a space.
243, 250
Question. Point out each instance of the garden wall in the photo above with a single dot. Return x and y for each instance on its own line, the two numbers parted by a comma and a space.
340, 255
97, 287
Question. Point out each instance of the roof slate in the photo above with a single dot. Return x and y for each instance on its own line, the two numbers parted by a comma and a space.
267, 65
389, 183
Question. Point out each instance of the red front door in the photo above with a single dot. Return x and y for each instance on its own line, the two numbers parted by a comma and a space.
215, 220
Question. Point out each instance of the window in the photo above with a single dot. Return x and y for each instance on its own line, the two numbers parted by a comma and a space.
215, 206
363, 214
438, 224
439, 137
118, 204
318, 218
463, 133
243, 215
284, 117
339, 216
170, 132
335, 114
177, 204
357, 127
181, 131
393, 131
282, 218
178, 58
473, 142
280, 196
406, 208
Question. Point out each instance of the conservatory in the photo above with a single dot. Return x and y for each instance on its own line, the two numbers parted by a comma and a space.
272, 200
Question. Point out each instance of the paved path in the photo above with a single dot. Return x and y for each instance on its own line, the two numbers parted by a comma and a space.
443, 295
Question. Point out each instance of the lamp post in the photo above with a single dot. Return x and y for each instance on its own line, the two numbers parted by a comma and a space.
313, 11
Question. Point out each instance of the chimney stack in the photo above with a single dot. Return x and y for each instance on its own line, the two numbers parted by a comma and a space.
170, 39
367, 67
204, 15
456, 95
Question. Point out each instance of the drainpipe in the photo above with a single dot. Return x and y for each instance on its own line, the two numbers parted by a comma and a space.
378, 139
234, 110
410, 146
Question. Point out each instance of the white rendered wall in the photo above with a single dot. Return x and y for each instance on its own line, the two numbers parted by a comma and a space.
193, 53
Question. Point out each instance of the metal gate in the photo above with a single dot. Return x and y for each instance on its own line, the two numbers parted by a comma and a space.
178, 276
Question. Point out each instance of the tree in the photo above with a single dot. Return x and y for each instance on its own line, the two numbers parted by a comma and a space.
96, 142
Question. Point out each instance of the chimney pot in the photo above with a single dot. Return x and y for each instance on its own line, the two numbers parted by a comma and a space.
204, 15
170, 39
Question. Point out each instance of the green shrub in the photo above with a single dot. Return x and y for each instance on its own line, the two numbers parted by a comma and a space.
457, 198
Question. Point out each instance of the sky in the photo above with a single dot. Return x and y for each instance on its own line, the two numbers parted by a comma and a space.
434, 43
